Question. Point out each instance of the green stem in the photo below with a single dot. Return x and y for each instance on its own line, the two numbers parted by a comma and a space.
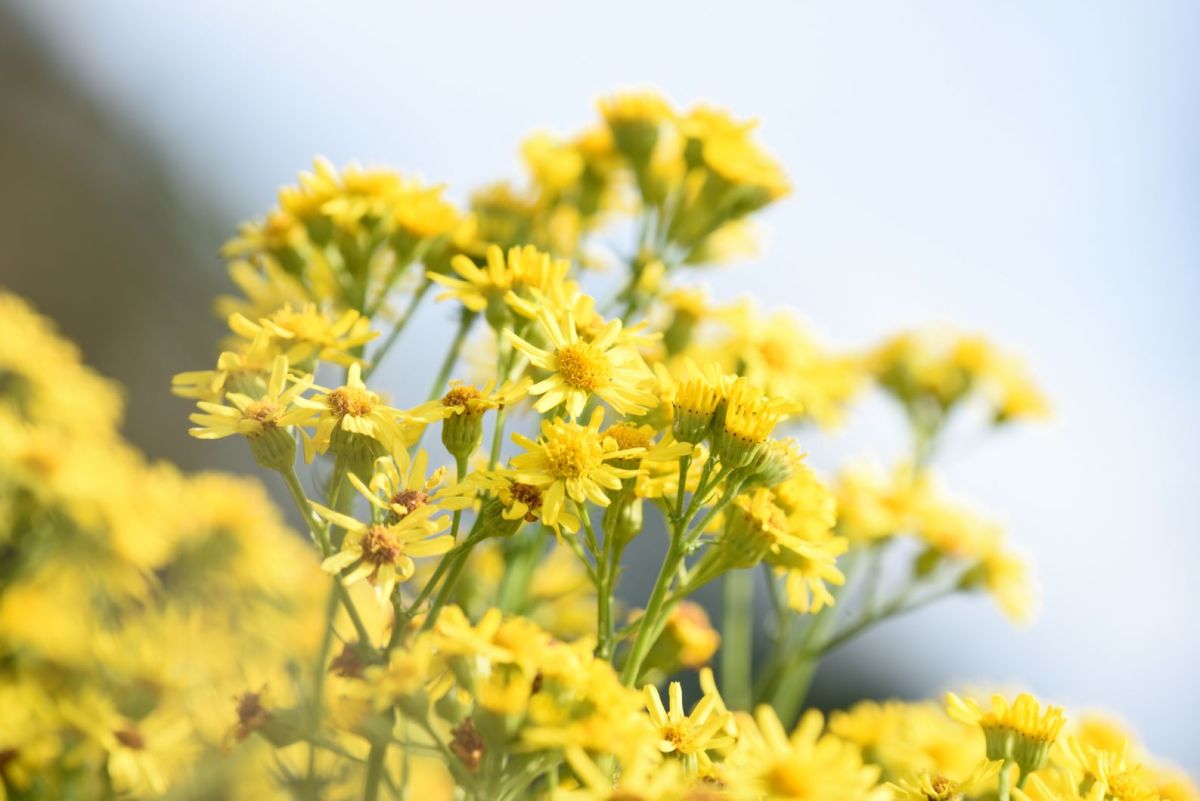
605, 569
374, 771
314, 712
320, 535
649, 624
397, 329
737, 638
685, 464
1005, 788
897, 606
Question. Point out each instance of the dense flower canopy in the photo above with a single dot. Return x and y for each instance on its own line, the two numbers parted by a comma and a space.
451, 628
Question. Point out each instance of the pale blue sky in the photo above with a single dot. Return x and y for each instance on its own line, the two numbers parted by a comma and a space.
1028, 169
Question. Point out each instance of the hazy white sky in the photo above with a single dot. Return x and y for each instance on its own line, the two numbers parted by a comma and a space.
1028, 169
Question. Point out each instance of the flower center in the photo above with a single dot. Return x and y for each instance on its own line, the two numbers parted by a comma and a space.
529, 495
380, 547
251, 713
262, 411
130, 738
573, 456
410, 499
791, 782
629, 436
353, 401
943, 788
461, 396
679, 735
583, 366
467, 745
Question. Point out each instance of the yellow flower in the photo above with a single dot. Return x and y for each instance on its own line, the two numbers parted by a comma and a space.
635, 106
307, 334
238, 370
580, 368
1020, 731
778, 354
644, 778
744, 422
555, 164
252, 417
570, 460
399, 486
383, 553
42, 380
1061, 787
929, 787
691, 736
742, 162
483, 289
688, 640
265, 285
143, 757
351, 411
519, 501
807, 765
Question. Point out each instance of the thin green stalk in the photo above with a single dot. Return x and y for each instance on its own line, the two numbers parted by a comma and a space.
605, 569
320, 535
897, 606
314, 712
397, 329
646, 631
375, 760
1005, 787
685, 464
737, 638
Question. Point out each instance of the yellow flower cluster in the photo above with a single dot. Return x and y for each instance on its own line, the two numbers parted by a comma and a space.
135, 601
471, 645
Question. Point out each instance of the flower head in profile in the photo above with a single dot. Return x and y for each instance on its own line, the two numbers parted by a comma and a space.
580, 368
571, 461
1021, 731
483, 289
307, 334
349, 411
252, 417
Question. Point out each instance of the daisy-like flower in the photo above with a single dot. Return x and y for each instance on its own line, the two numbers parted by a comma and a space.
144, 756
383, 553
806, 766
484, 289
461, 411
1020, 731
306, 333
629, 436
570, 460
352, 410
926, 786
252, 417
238, 370
580, 368
645, 778
399, 486
690, 736
516, 502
